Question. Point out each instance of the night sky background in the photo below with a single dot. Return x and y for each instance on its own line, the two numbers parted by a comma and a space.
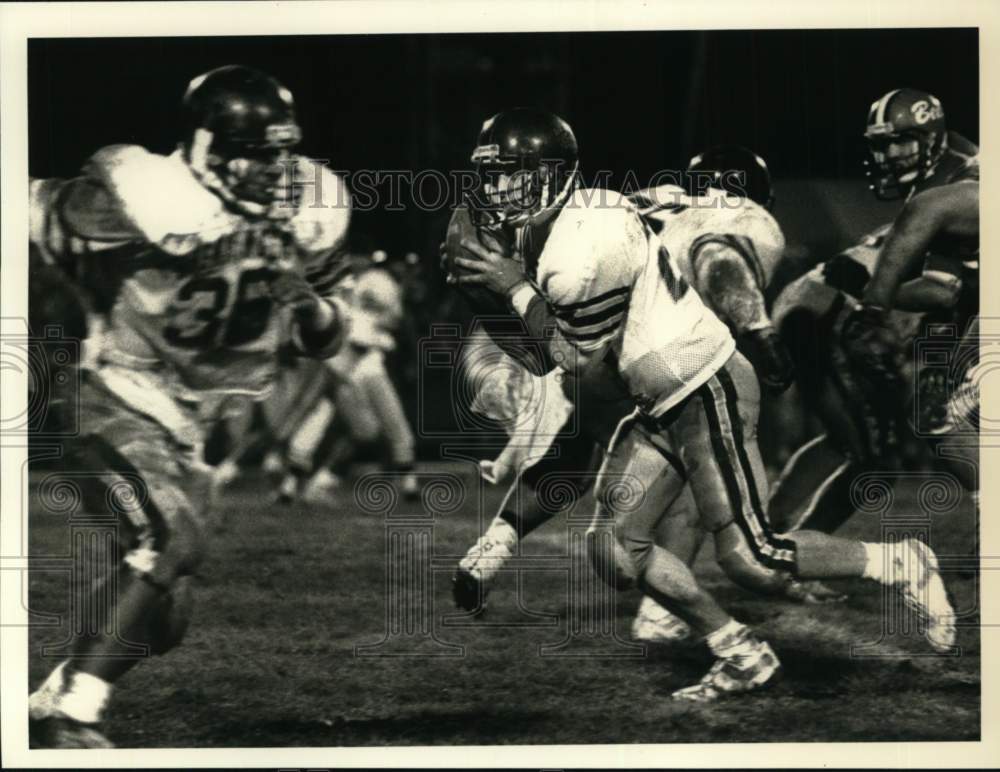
638, 101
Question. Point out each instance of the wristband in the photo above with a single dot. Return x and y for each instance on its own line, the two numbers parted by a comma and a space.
521, 296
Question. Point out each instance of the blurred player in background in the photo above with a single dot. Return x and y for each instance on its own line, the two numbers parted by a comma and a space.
623, 313
204, 263
360, 407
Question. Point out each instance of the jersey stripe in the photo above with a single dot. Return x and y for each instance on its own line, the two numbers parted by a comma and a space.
596, 317
589, 341
582, 332
566, 308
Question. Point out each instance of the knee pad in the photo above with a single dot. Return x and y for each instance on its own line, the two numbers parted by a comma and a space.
611, 561
168, 621
740, 564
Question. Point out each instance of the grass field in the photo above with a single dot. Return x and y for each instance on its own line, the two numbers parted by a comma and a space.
288, 594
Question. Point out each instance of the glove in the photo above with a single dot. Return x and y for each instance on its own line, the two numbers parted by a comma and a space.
770, 358
873, 346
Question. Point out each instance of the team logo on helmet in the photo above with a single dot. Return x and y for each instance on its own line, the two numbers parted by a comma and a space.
926, 110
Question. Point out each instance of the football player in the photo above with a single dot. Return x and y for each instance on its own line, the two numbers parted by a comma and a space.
735, 243
862, 421
621, 311
936, 172
205, 262
361, 405
727, 246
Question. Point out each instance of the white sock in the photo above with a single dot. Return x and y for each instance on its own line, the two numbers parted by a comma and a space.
501, 532
876, 561
83, 697
730, 639
651, 610
885, 561
42, 701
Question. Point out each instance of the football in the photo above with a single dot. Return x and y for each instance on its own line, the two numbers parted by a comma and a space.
461, 227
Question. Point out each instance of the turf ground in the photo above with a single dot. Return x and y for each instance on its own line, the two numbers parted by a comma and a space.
289, 595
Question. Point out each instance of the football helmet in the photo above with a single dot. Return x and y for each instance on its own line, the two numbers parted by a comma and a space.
526, 163
239, 127
906, 138
734, 169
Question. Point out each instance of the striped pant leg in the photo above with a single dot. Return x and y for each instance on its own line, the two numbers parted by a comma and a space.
715, 432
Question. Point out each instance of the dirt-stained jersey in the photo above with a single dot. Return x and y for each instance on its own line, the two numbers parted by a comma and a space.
687, 223
183, 280
610, 282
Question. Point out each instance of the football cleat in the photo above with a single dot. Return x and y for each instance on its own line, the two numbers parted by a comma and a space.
63, 732
654, 624
915, 572
467, 592
272, 463
222, 477
288, 491
477, 571
734, 674
321, 487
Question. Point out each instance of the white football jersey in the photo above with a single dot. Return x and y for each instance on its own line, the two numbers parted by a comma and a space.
684, 223
609, 280
185, 281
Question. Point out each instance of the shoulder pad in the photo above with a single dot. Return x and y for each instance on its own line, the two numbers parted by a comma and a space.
324, 207
766, 224
592, 244
157, 194
597, 221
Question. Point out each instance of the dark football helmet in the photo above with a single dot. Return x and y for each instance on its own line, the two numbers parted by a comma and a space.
526, 164
734, 169
239, 127
906, 137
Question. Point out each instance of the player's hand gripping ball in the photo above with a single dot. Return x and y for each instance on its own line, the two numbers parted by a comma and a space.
482, 299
